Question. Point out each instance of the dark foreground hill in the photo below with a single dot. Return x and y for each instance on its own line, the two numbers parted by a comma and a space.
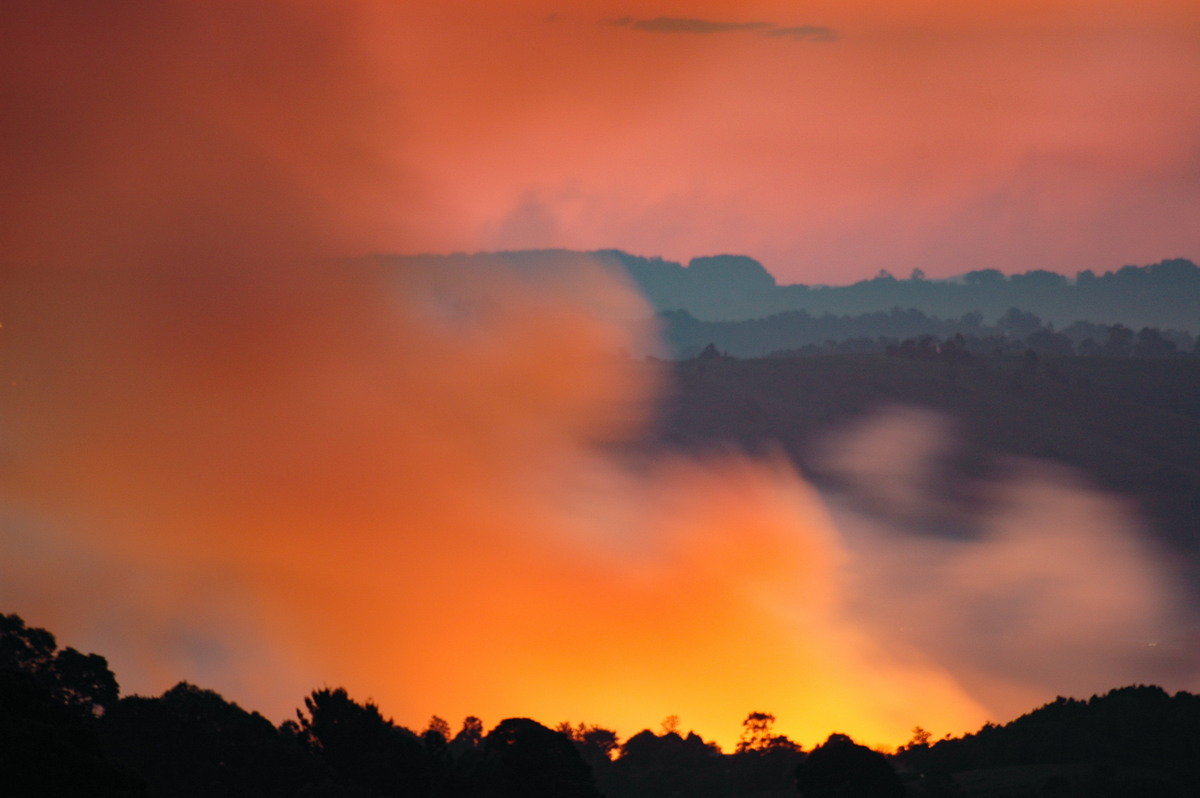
65, 731
1136, 740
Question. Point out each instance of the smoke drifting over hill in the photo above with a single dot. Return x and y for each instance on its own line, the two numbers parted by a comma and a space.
1042, 574
226, 459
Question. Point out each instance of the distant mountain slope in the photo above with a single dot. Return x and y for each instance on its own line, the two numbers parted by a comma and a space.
1132, 425
1165, 295
797, 332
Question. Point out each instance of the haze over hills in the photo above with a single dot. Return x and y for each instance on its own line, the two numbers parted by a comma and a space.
1131, 425
1075, 370
727, 288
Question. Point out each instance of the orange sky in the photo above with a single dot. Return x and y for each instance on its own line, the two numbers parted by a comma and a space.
943, 136
939, 136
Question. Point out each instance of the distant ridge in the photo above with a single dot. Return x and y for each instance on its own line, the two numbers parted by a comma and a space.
724, 288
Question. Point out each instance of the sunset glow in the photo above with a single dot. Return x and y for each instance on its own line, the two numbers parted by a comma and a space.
242, 448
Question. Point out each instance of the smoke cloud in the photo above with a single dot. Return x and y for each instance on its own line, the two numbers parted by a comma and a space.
1026, 585
410, 482
227, 457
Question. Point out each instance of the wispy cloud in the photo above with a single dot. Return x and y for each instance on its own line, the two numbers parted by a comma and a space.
685, 25
813, 33
690, 25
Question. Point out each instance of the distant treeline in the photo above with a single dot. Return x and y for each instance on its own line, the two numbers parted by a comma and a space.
1164, 295
912, 332
65, 730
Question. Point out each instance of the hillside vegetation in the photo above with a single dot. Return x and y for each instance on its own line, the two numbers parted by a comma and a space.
1132, 425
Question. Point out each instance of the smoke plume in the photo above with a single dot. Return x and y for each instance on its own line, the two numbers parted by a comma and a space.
229, 457
1040, 585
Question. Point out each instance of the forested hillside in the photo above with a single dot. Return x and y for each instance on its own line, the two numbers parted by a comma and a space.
1132, 425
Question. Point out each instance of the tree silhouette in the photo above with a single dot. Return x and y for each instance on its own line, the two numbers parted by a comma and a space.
469, 737
1151, 343
763, 762
84, 681
840, 767
81, 682
596, 744
25, 649
436, 737
49, 749
915, 753
192, 743
989, 277
667, 764
1019, 324
1119, 342
1048, 342
527, 760
361, 747
756, 729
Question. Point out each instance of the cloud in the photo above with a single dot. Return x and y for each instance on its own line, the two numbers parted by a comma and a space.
694, 25
814, 33
263, 481
691, 25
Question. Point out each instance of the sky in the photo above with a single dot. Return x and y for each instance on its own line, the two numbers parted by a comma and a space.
828, 140
229, 457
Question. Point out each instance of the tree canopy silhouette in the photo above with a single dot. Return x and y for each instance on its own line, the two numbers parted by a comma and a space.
841, 768
191, 743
